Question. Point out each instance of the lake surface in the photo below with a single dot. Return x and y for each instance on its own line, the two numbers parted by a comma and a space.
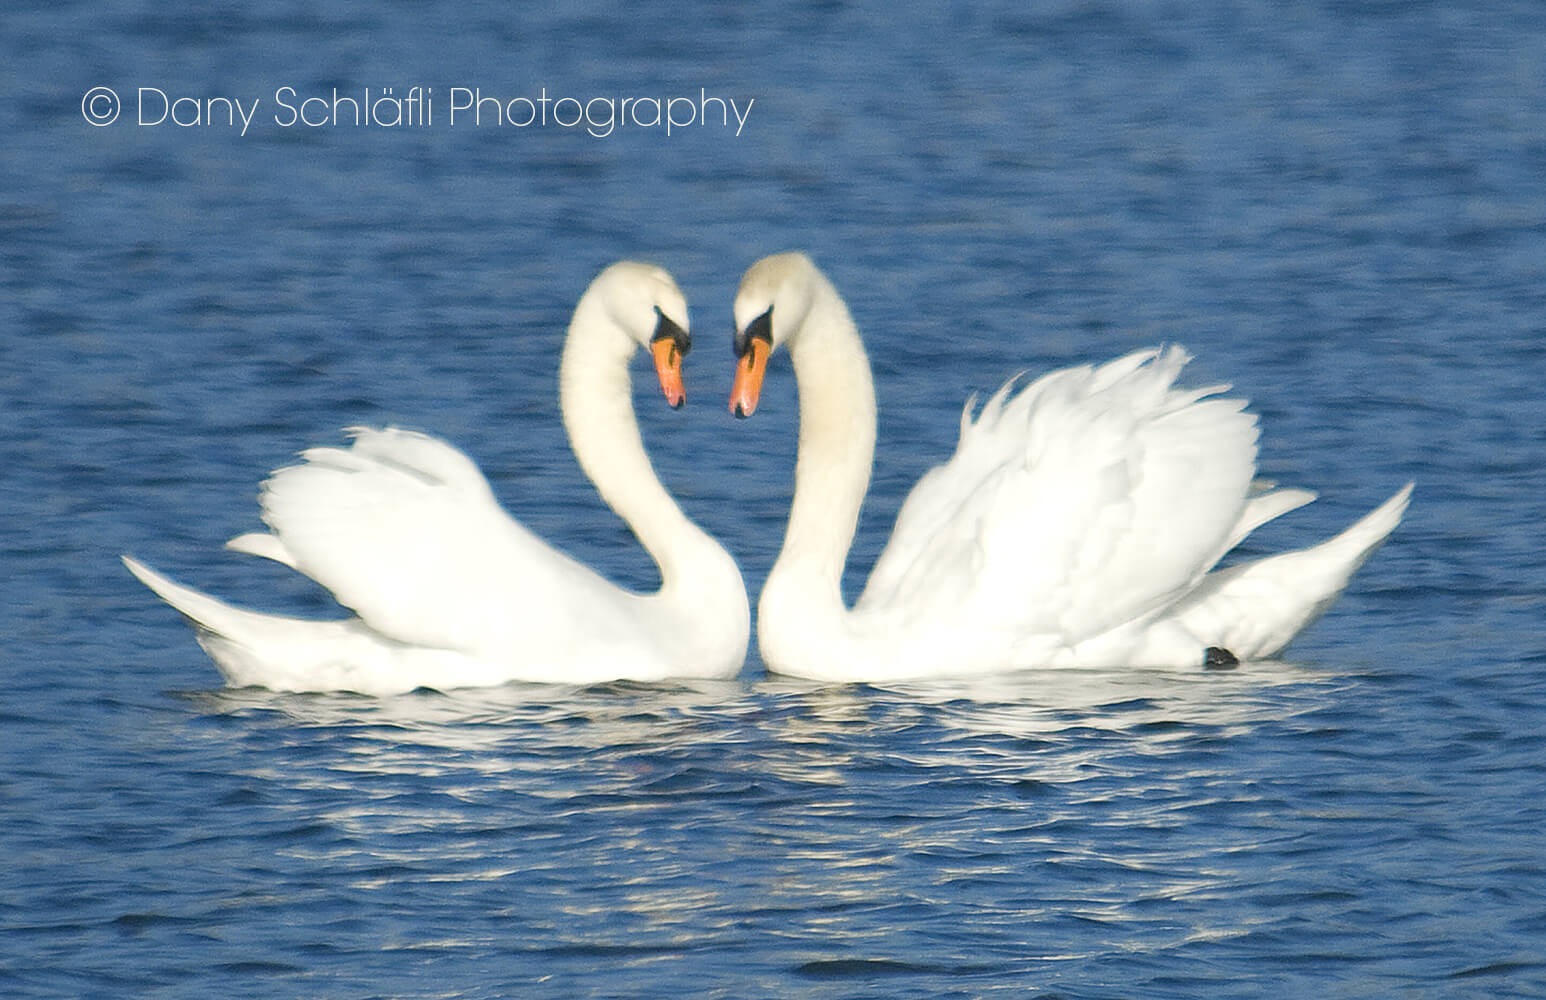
1338, 207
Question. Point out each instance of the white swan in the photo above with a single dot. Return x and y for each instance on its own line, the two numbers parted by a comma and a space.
449, 590
1075, 525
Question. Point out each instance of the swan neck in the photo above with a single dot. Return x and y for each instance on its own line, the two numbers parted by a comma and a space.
836, 445
596, 400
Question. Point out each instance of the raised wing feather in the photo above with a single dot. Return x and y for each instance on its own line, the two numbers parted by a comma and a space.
405, 531
1091, 497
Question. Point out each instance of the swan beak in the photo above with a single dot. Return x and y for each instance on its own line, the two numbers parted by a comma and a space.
668, 346
747, 387
668, 368
753, 348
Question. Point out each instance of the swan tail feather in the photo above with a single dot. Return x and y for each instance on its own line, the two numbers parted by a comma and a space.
225, 632
1255, 609
252, 649
205, 612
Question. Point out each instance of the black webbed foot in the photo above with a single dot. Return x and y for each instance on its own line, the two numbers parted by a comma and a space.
1219, 658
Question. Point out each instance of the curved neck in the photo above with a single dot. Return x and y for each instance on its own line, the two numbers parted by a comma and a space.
836, 448
595, 396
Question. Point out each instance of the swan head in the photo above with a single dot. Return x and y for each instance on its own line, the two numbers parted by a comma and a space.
775, 296
644, 302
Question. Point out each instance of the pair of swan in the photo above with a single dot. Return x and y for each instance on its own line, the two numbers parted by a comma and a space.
1078, 523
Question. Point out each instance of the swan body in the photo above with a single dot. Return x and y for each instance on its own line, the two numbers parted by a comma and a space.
1077, 524
447, 589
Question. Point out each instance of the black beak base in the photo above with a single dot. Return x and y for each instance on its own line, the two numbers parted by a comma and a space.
666, 329
760, 328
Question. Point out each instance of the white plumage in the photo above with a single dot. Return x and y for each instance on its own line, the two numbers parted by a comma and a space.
448, 589
1076, 524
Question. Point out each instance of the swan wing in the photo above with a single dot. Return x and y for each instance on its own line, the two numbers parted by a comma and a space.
406, 532
1091, 497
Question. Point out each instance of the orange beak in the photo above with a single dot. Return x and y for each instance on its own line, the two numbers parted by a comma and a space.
668, 368
746, 389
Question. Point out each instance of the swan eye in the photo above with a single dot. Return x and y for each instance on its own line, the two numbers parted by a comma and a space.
760, 328
666, 329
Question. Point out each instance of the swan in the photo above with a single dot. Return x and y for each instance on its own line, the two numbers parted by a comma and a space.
449, 591
1077, 524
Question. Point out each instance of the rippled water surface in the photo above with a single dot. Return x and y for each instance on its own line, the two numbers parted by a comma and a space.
1338, 207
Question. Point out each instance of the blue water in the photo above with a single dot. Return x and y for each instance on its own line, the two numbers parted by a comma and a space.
1338, 206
